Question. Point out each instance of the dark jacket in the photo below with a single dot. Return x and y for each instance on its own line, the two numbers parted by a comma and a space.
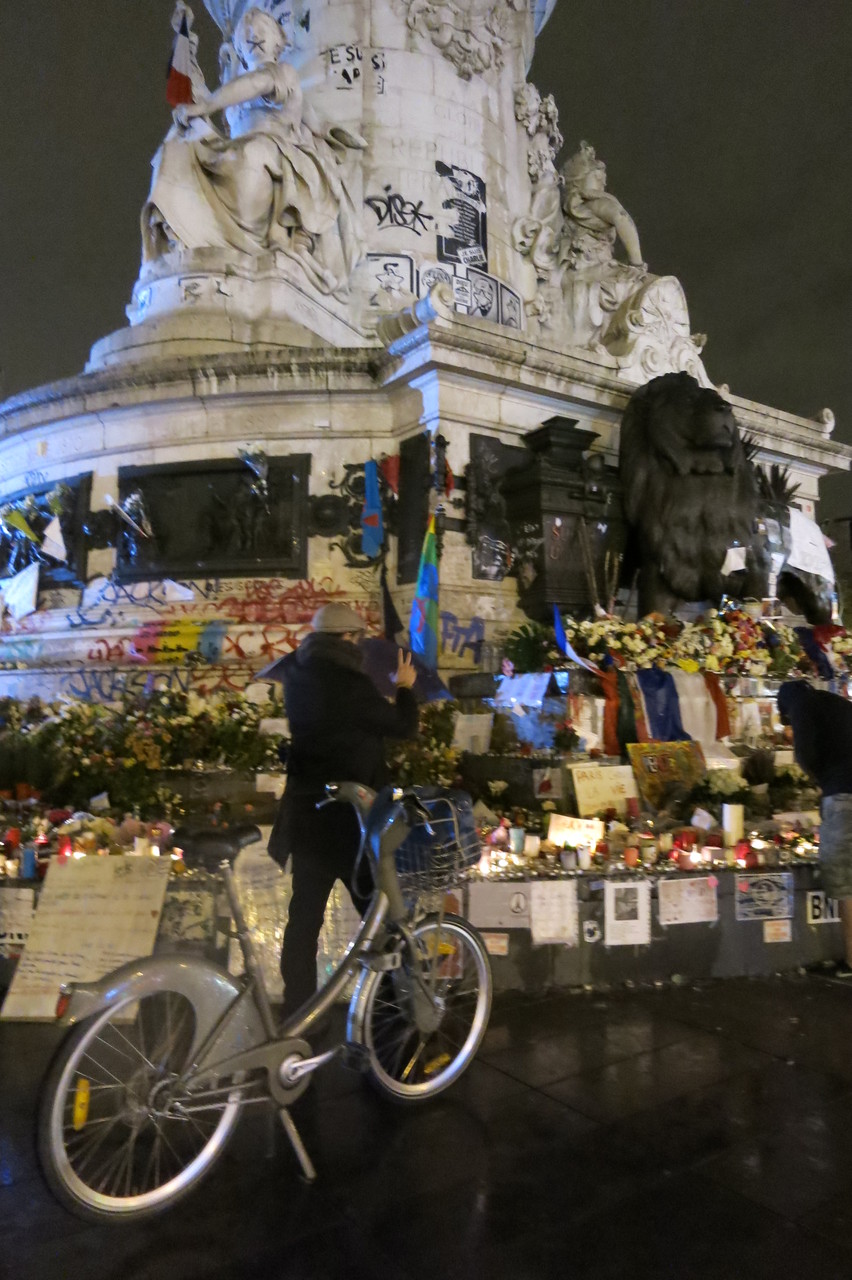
338, 723
822, 734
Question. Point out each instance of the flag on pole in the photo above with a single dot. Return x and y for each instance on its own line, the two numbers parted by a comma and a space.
179, 83
372, 529
559, 629
424, 607
392, 622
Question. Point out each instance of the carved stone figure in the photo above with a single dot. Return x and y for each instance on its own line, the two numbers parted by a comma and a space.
276, 181
690, 494
470, 33
584, 291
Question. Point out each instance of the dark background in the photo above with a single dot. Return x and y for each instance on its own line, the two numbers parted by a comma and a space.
724, 124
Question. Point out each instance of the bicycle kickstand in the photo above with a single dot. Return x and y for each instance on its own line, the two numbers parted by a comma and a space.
309, 1173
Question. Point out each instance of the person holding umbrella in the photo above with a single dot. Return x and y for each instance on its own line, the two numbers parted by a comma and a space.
338, 723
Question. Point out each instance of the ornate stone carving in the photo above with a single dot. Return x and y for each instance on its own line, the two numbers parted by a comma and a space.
470, 33
276, 181
584, 293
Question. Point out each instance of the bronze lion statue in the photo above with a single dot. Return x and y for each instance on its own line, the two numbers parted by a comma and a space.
691, 492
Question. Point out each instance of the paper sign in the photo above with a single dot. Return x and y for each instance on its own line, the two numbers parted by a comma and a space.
599, 787
16, 914
778, 931
627, 913
496, 944
808, 551
473, 733
764, 897
735, 559
94, 914
820, 909
689, 901
177, 593
553, 912
659, 765
53, 543
500, 906
563, 830
526, 690
20, 593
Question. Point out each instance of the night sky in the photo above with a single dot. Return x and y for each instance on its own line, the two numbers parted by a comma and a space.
725, 126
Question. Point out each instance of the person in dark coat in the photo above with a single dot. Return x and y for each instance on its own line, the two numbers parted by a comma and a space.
338, 723
822, 744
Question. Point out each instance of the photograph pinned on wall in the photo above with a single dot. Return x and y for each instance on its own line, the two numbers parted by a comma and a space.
390, 278
511, 308
485, 296
431, 274
627, 914
462, 226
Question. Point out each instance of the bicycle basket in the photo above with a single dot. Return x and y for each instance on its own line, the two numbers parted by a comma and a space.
439, 859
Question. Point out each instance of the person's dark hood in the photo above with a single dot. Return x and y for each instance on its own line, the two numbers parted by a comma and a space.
793, 696
324, 646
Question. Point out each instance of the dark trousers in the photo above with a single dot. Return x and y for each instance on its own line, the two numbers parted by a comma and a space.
314, 874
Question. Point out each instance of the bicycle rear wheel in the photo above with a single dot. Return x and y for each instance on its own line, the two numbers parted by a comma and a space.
118, 1136
420, 1041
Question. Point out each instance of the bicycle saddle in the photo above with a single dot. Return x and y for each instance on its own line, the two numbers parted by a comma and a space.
206, 847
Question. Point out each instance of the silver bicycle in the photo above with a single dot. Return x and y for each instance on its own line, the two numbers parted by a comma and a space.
164, 1053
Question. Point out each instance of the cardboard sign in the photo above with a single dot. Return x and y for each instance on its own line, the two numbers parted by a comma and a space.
563, 830
94, 914
778, 931
599, 787
659, 765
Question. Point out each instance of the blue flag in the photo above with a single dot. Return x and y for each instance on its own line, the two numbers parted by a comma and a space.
372, 528
558, 627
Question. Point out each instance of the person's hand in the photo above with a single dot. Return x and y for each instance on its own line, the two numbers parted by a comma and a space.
405, 670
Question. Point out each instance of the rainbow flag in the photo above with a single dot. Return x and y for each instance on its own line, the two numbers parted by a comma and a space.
423, 627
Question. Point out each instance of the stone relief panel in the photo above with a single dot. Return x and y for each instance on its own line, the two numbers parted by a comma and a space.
471, 34
584, 293
271, 178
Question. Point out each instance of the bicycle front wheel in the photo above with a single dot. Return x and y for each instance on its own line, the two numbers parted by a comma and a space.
424, 1022
118, 1136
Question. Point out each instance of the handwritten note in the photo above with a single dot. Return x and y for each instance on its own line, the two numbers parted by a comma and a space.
553, 912
16, 913
599, 787
93, 915
564, 830
689, 901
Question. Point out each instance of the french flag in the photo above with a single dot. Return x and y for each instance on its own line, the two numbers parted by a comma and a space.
179, 83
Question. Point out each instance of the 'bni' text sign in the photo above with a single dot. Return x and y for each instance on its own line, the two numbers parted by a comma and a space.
599, 787
820, 909
94, 914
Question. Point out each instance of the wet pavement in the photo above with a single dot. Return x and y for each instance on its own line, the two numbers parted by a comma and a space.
681, 1132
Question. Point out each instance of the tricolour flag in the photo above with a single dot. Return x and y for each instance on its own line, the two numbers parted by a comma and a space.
179, 83
424, 607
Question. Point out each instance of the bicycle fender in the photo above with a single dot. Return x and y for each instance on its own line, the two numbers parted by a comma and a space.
209, 988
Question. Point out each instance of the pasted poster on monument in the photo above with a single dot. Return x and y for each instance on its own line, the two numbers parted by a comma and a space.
764, 897
390, 279
627, 913
484, 296
432, 274
499, 906
511, 308
689, 901
554, 917
464, 238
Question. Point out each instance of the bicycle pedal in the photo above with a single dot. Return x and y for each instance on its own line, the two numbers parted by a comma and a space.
355, 1057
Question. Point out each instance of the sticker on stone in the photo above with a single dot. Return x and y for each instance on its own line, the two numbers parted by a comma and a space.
390, 280
462, 235
485, 296
432, 275
511, 308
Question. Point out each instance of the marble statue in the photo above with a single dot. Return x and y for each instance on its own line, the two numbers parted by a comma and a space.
470, 33
276, 181
585, 293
